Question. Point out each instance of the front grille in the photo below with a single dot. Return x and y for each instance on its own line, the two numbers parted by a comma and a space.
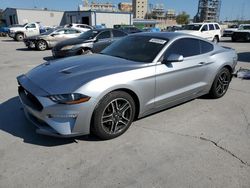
241, 35
29, 99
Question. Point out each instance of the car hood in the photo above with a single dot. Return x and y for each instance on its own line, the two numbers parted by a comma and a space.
67, 75
73, 41
243, 31
231, 29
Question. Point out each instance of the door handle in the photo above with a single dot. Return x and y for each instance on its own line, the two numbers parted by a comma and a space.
201, 63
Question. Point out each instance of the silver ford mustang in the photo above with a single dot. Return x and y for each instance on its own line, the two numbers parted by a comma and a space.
135, 76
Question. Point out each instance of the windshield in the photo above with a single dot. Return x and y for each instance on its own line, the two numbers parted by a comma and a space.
244, 27
136, 48
48, 32
89, 34
194, 27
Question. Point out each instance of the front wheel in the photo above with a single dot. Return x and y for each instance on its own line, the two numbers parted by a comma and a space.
220, 84
41, 45
19, 37
113, 115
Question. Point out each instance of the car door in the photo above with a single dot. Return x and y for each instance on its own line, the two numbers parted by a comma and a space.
57, 36
71, 33
177, 81
205, 33
31, 30
103, 39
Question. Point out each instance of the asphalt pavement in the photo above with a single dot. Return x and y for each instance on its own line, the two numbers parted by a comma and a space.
202, 143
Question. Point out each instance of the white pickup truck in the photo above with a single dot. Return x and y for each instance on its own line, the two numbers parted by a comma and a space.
27, 30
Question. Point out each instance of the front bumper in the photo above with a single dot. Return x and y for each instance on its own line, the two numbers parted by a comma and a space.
54, 119
30, 43
11, 34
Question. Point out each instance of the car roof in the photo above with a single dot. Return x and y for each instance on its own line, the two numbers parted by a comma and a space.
163, 35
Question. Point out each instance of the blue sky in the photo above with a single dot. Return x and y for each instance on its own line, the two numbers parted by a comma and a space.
230, 9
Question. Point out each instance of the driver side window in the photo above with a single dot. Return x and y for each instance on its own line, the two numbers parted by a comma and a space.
104, 35
31, 26
186, 47
204, 28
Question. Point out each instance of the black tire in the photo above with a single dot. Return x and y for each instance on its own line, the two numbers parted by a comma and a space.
19, 37
41, 45
216, 39
220, 84
113, 115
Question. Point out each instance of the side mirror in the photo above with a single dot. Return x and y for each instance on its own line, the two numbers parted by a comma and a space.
173, 58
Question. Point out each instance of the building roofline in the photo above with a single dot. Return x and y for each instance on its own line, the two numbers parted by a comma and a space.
100, 11
39, 9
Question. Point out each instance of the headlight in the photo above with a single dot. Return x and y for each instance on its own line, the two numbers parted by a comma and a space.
67, 47
72, 98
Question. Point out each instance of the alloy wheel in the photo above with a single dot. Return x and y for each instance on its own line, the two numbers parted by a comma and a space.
116, 116
222, 83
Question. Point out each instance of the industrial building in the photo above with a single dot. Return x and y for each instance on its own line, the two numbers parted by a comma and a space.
55, 18
208, 11
22, 16
109, 19
140, 8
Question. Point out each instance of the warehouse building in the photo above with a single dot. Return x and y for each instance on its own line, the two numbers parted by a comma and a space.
91, 17
55, 18
22, 16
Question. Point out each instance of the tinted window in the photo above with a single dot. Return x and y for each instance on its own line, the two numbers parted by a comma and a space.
194, 27
204, 28
206, 47
71, 31
31, 26
136, 48
186, 47
117, 33
89, 34
211, 26
104, 35
217, 27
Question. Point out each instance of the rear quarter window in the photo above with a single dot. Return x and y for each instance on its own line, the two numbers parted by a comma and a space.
217, 26
206, 47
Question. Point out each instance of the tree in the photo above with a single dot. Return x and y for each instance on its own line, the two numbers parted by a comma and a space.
182, 18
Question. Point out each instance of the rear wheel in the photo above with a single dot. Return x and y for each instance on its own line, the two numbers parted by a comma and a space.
220, 84
19, 37
216, 39
113, 115
41, 45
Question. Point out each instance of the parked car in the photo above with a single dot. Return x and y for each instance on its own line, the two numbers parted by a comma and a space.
135, 76
229, 31
50, 38
92, 41
242, 34
27, 30
151, 29
130, 29
4, 31
209, 31
81, 27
